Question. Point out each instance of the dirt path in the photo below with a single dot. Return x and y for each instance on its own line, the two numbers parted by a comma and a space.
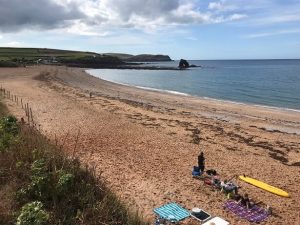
145, 143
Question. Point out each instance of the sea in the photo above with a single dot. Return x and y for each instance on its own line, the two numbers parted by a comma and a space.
269, 83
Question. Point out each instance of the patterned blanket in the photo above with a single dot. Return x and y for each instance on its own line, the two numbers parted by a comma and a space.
255, 214
172, 212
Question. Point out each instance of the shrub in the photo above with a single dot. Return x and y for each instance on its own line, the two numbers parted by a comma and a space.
40, 178
33, 214
65, 181
9, 128
5, 141
9, 125
39, 185
8, 64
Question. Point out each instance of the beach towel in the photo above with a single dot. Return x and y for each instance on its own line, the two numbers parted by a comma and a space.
255, 214
172, 212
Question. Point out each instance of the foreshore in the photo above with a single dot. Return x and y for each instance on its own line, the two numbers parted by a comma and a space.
145, 143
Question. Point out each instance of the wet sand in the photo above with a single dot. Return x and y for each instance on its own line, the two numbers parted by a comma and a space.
145, 143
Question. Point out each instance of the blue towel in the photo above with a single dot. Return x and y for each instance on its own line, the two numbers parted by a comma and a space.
172, 210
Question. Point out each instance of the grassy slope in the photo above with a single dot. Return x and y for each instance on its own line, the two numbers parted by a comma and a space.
140, 58
36, 53
121, 56
40, 53
39, 173
3, 109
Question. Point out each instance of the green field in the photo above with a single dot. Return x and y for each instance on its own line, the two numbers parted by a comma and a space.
16, 57
121, 56
10, 54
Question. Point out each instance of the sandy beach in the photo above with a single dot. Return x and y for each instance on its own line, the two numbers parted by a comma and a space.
145, 143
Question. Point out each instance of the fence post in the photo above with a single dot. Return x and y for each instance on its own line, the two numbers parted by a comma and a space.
31, 116
25, 109
28, 116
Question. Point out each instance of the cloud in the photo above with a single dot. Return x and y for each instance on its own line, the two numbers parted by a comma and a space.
150, 9
42, 14
270, 13
11, 44
192, 38
149, 15
83, 29
281, 18
91, 17
215, 5
273, 33
237, 16
222, 5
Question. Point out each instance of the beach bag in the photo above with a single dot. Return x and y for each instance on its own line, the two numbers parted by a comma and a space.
196, 171
211, 172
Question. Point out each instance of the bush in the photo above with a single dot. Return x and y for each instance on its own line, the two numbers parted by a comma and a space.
39, 179
9, 128
9, 125
33, 214
5, 140
8, 64
65, 181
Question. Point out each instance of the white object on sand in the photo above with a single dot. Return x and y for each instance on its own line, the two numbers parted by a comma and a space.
216, 221
196, 210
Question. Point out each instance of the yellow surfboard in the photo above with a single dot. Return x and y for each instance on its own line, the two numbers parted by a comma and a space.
264, 186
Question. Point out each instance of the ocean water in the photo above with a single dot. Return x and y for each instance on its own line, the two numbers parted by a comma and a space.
274, 83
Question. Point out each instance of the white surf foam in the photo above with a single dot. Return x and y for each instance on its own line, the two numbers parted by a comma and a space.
162, 90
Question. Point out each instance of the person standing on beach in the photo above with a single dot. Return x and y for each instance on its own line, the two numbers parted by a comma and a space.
201, 162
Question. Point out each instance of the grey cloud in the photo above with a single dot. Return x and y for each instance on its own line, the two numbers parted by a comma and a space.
93, 14
43, 14
146, 8
166, 12
94, 20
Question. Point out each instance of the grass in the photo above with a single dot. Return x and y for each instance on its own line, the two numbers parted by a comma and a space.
14, 57
40, 185
121, 56
15, 54
3, 109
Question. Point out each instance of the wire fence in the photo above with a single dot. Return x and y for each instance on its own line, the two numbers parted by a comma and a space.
6, 94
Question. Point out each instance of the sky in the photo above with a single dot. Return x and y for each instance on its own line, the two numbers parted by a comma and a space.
190, 29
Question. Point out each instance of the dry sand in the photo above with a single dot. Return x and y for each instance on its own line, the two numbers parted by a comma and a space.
145, 143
